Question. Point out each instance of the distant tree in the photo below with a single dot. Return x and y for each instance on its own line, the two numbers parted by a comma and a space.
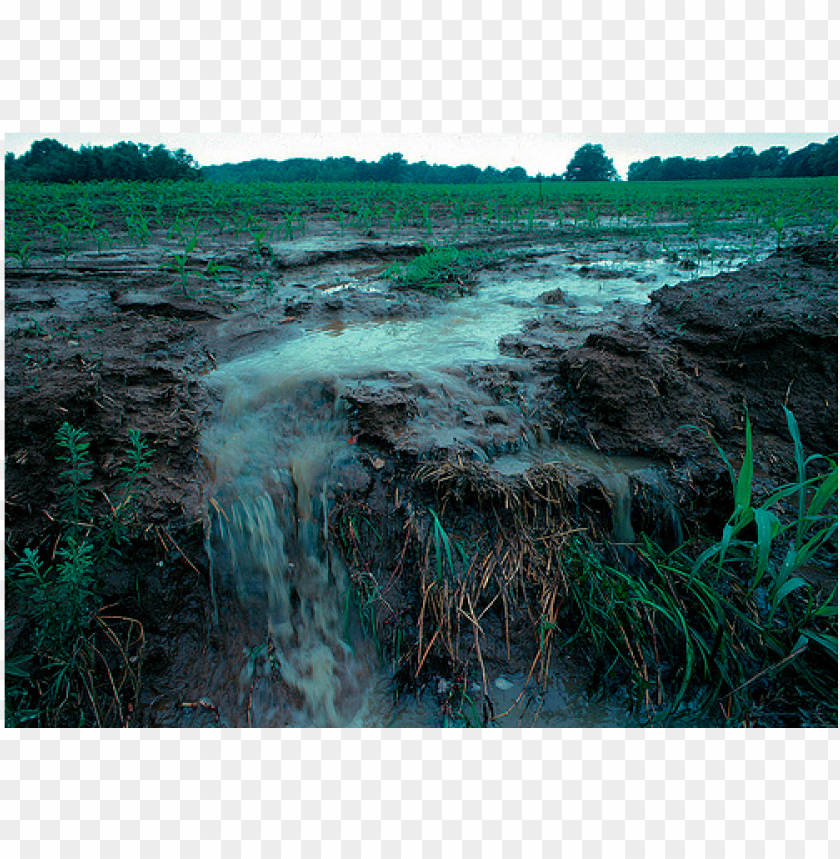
50, 161
813, 160
800, 163
590, 164
770, 161
672, 169
515, 174
649, 170
418, 172
827, 161
391, 167
742, 163
738, 164
466, 174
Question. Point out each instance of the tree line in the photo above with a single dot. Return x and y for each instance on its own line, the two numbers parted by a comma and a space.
50, 161
590, 163
389, 168
743, 162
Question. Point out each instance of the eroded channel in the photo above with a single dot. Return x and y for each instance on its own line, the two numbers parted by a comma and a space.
280, 452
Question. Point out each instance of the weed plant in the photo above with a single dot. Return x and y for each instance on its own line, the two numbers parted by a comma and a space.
79, 666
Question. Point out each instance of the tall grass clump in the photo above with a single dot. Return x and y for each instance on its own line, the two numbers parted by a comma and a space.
76, 665
737, 635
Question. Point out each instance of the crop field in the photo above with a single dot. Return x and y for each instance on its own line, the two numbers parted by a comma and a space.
370, 454
64, 219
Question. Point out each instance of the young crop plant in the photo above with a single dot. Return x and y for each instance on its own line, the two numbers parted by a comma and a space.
263, 281
19, 248
338, 215
138, 229
216, 272
180, 261
64, 240
102, 238
778, 223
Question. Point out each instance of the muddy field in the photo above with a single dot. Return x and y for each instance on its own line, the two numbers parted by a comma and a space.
397, 438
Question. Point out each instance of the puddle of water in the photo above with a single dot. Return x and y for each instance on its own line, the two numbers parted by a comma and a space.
568, 455
513, 700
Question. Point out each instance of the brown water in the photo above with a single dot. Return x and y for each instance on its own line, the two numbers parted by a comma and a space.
269, 509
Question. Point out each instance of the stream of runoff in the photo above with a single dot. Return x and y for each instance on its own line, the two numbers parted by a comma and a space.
279, 441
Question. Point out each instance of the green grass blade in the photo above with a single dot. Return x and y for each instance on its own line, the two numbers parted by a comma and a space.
743, 488
829, 605
799, 455
824, 493
788, 587
827, 641
767, 526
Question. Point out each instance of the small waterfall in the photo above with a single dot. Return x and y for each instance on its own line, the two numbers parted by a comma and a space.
617, 486
269, 538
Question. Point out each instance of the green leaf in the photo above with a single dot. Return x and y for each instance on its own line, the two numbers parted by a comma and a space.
743, 488
827, 641
824, 493
797, 559
767, 526
15, 667
799, 453
787, 588
829, 606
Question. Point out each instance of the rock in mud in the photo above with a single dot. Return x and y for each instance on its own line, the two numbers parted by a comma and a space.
555, 297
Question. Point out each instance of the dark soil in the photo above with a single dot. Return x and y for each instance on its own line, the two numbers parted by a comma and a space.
110, 343
703, 354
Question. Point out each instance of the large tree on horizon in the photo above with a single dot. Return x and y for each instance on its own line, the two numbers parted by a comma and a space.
590, 164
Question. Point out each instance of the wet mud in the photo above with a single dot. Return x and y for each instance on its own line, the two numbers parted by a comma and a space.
459, 443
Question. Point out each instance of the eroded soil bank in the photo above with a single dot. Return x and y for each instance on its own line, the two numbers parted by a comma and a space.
451, 485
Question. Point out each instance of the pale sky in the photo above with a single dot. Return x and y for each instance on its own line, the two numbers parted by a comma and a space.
549, 153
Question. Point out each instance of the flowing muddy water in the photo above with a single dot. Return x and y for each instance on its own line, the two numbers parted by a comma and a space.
277, 454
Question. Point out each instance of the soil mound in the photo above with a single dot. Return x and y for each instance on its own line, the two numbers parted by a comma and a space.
704, 353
